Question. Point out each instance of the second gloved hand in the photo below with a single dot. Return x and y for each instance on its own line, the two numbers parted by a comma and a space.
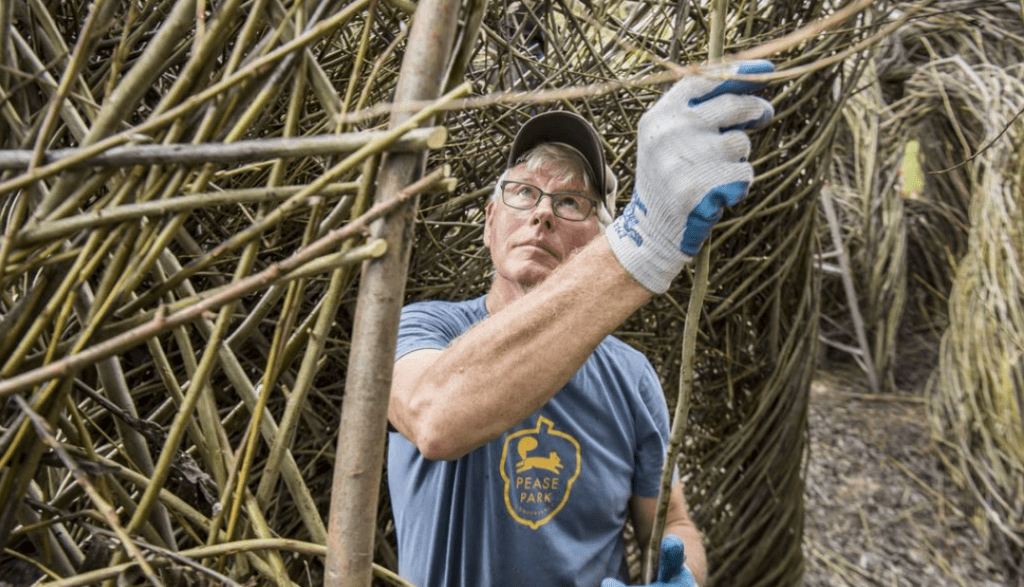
671, 570
691, 164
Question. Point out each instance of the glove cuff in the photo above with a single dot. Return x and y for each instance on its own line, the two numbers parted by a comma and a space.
653, 266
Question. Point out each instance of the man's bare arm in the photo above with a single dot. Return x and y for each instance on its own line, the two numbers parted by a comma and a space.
499, 372
678, 522
692, 162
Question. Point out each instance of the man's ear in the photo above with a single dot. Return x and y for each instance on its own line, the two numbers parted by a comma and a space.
488, 219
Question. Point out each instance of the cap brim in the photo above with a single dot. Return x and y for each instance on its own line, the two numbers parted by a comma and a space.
563, 127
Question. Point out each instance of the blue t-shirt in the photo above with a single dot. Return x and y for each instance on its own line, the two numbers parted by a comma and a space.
545, 503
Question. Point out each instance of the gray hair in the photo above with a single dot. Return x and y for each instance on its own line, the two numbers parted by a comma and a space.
567, 164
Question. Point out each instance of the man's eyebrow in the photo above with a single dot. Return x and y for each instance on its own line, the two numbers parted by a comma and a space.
582, 191
574, 191
582, 194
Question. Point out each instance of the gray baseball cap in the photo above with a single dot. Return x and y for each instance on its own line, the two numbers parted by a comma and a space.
560, 126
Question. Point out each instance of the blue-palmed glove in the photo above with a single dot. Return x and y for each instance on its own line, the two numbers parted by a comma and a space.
671, 570
691, 164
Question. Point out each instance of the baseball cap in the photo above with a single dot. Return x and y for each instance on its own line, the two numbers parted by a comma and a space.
559, 126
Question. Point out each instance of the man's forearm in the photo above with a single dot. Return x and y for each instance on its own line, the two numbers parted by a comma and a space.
696, 558
677, 522
509, 365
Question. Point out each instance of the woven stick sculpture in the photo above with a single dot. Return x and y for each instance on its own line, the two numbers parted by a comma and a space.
181, 329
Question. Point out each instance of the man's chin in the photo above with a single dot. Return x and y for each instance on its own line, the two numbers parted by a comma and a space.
537, 271
527, 278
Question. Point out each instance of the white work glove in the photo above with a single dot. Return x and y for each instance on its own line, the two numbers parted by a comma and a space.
691, 163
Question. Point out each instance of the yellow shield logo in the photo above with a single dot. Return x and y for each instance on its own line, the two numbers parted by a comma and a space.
539, 466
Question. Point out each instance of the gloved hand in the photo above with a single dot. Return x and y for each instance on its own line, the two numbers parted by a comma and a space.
691, 163
671, 571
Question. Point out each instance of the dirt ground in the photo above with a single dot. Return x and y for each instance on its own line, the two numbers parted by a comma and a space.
880, 509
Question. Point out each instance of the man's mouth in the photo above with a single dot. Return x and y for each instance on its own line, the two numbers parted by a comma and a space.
542, 247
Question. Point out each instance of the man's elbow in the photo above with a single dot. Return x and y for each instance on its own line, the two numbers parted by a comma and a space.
438, 449
434, 439
431, 424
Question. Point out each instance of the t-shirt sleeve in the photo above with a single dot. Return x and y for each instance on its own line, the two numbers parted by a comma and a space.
652, 431
429, 325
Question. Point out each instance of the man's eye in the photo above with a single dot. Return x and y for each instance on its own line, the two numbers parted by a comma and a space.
570, 202
523, 191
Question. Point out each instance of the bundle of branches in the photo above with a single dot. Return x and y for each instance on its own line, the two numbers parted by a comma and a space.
978, 388
171, 369
904, 233
950, 84
976, 33
862, 307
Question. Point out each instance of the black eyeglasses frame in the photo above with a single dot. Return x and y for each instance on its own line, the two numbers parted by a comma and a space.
592, 203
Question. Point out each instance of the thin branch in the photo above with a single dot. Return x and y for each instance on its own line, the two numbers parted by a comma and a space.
236, 152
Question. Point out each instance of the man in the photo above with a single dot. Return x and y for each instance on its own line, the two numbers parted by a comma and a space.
524, 435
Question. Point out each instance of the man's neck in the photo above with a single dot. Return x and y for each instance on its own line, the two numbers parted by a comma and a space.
503, 293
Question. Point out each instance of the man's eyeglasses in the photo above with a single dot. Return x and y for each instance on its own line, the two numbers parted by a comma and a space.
523, 196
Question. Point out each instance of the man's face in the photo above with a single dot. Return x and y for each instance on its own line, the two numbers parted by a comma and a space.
526, 245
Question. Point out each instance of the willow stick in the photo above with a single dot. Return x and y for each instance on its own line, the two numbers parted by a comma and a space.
301, 335
360, 57
258, 312
71, 118
48, 231
863, 354
273, 365
115, 386
70, 280
240, 382
125, 96
240, 546
7, 237
359, 457
693, 310
240, 467
227, 153
64, 555
176, 431
99, 12
6, 18
378, 65
271, 373
305, 504
314, 339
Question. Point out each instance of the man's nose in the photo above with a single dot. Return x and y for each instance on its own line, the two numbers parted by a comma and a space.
544, 211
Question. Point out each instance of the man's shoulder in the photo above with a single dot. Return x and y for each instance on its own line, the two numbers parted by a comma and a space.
465, 312
434, 324
615, 348
470, 306
620, 365
612, 343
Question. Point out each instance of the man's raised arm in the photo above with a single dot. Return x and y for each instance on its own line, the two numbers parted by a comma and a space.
691, 164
